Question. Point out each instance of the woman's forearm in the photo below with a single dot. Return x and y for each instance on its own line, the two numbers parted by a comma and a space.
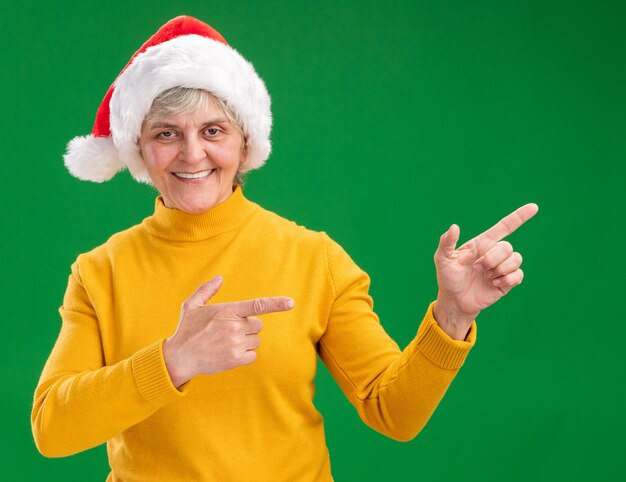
73, 412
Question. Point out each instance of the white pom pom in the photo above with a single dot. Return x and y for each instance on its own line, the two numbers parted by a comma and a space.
92, 158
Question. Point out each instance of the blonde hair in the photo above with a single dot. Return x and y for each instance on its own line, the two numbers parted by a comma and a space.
186, 100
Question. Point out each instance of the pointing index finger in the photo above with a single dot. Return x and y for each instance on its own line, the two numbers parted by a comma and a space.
261, 306
510, 223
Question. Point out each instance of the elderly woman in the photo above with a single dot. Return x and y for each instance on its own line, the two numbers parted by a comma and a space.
162, 353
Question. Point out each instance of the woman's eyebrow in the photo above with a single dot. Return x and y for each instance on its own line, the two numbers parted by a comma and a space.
161, 125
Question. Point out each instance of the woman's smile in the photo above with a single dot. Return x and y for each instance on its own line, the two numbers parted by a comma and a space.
194, 178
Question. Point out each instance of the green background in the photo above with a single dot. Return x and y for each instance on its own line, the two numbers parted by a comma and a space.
392, 120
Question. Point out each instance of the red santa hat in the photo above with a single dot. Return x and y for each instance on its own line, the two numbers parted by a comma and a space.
184, 52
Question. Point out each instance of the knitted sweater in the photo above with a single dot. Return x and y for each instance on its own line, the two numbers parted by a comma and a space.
106, 379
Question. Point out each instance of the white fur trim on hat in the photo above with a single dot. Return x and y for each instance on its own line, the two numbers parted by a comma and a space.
196, 62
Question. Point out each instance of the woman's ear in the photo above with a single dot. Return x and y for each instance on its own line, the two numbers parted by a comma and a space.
244, 150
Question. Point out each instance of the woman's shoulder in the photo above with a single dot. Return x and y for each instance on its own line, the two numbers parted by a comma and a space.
105, 252
282, 227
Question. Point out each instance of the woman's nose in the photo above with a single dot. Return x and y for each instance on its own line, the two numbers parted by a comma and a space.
192, 150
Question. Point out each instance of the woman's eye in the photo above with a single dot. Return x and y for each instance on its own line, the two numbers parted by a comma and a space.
212, 131
166, 134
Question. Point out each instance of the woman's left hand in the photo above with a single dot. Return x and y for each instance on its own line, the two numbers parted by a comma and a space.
478, 273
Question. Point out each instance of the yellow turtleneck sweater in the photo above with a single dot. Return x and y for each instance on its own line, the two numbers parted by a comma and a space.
106, 380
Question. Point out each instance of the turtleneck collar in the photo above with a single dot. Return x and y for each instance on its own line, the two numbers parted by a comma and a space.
176, 225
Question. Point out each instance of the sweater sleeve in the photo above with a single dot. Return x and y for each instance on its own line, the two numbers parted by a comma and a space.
394, 391
79, 402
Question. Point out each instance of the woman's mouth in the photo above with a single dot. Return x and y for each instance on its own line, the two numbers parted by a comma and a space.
193, 176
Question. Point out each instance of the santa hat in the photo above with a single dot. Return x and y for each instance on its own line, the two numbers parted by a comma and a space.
184, 52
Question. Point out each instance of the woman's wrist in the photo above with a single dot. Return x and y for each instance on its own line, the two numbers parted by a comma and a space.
451, 320
176, 374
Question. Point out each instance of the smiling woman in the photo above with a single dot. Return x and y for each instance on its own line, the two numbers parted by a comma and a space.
160, 353
193, 148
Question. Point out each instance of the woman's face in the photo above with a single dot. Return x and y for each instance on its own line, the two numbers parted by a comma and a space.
192, 159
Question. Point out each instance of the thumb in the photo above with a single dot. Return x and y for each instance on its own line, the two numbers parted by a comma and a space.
203, 294
448, 240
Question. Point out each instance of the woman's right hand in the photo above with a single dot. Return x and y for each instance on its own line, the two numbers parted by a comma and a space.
218, 337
